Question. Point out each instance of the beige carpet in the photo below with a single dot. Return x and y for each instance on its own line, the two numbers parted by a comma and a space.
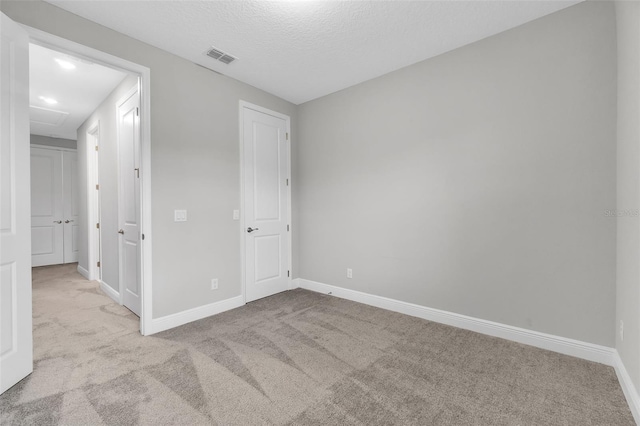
296, 358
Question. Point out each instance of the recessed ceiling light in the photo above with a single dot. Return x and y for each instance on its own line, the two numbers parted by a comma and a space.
50, 101
65, 64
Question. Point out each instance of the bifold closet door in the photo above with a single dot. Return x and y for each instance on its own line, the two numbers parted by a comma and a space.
47, 208
54, 207
70, 205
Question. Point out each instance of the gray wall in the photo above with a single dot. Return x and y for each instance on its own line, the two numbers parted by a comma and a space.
628, 243
475, 182
49, 141
194, 156
105, 114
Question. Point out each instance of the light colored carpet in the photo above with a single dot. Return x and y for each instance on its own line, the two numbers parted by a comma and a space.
296, 358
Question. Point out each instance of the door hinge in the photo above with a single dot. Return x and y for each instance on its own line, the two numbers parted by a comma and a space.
96, 147
287, 135
97, 225
97, 187
98, 264
287, 182
137, 112
288, 273
287, 227
142, 236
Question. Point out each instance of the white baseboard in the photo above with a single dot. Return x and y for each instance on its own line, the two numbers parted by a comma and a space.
629, 389
83, 272
109, 291
563, 345
174, 320
295, 283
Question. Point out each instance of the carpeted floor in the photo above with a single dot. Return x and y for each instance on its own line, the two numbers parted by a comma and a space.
296, 358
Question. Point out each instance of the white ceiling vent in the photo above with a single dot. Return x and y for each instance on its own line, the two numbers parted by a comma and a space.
219, 55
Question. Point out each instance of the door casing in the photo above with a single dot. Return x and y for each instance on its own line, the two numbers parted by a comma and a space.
243, 225
81, 51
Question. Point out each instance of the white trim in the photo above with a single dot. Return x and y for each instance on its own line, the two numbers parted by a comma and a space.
109, 291
53, 148
83, 272
94, 241
84, 52
628, 388
296, 283
175, 320
563, 345
243, 226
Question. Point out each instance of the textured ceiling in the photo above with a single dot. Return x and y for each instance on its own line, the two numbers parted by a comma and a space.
301, 50
78, 91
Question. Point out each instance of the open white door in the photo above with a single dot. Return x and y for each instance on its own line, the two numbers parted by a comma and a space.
266, 203
16, 345
128, 121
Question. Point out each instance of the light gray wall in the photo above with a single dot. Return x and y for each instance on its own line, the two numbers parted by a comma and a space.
475, 182
49, 141
105, 114
194, 158
628, 242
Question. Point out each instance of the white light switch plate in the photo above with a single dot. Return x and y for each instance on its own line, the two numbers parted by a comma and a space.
180, 216
236, 215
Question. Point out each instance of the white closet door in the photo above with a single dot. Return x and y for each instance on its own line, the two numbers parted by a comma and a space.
70, 205
47, 244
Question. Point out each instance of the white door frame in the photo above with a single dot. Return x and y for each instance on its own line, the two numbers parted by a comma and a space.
93, 200
243, 225
66, 46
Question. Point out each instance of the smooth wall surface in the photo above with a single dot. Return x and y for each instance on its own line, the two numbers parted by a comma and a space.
49, 141
105, 115
475, 182
195, 157
628, 242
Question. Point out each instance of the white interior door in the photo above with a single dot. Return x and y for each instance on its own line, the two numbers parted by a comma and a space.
47, 215
70, 205
129, 199
16, 345
266, 173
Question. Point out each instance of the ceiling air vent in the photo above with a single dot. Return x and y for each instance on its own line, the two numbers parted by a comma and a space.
219, 55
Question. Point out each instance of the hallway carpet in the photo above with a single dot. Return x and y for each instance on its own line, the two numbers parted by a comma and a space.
298, 358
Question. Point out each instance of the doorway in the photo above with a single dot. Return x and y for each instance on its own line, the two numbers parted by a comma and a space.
266, 201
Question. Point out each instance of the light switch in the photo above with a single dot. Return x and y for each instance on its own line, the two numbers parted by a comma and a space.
179, 215
236, 215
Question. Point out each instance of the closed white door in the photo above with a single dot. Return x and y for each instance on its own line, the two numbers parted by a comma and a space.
129, 199
16, 344
266, 174
70, 205
47, 207
54, 206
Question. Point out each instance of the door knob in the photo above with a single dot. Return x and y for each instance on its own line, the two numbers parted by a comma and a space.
250, 229
67, 221
57, 221
121, 231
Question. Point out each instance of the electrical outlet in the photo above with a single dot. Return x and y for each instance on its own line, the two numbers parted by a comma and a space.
236, 215
621, 330
214, 283
349, 273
